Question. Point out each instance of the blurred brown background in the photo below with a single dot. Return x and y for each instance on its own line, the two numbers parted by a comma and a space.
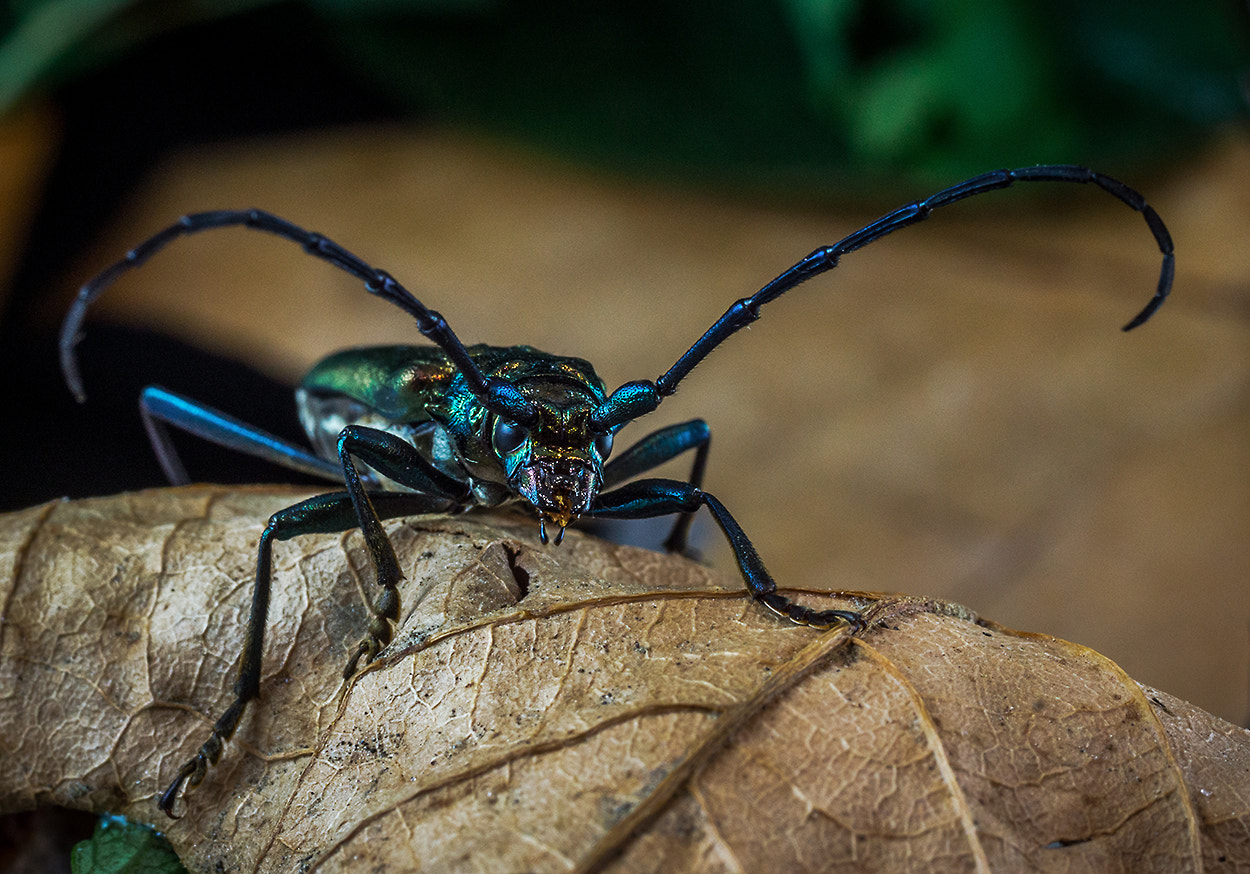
952, 412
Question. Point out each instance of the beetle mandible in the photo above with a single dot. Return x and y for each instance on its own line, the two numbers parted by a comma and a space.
444, 428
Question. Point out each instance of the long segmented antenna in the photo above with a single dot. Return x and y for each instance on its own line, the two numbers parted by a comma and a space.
634, 399
497, 395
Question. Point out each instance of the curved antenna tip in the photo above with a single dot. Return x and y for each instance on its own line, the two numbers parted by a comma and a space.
70, 372
1144, 316
69, 366
1166, 276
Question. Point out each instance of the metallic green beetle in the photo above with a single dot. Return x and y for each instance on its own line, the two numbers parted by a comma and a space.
444, 428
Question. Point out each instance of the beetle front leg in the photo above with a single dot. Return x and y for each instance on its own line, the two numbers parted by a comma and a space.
658, 497
399, 460
655, 449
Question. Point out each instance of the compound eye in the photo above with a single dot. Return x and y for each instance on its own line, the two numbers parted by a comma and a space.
508, 436
603, 445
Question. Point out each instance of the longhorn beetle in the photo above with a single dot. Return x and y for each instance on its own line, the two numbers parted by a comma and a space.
443, 428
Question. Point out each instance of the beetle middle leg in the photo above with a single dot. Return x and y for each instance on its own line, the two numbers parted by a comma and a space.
384, 452
643, 499
329, 513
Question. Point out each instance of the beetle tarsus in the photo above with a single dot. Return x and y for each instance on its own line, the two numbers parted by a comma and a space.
379, 635
801, 615
170, 796
193, 771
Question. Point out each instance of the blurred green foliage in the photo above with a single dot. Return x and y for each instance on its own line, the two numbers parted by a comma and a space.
123, 847
776, 92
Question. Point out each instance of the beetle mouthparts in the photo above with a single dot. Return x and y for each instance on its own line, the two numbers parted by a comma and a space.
560, 489
562, 515
542, 531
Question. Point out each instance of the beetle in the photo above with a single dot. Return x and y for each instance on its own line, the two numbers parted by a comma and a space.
444, 428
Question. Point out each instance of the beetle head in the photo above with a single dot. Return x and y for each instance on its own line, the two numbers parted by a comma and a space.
555, 464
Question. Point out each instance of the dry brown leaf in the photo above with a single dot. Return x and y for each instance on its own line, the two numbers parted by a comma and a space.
587, 707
